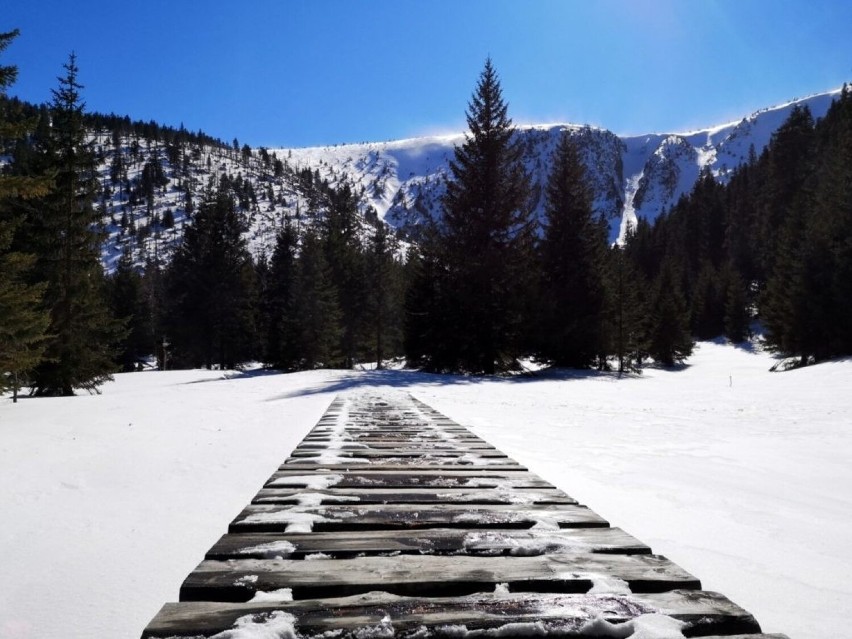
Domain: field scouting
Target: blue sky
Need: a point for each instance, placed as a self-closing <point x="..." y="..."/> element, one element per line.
<point x="311" y="72"/>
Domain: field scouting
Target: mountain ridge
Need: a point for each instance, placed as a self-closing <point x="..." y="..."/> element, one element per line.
<point x="397" y="181"/>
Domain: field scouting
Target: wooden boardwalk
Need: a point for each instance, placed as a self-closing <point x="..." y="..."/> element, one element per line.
<point x="390" y="520"/>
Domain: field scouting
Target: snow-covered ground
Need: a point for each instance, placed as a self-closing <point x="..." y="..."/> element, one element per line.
<point x="741" y="476"/>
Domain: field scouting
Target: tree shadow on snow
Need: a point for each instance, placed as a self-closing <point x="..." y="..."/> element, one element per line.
<point x="403" y="379"/>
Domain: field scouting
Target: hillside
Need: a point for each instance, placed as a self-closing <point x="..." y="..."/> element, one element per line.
<point x="401" y="181"/>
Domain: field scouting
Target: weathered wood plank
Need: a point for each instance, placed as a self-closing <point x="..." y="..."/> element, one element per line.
<point x="427" y="541"/>
<point x="425" y="452"/>
<point x="273" y="518"/>
<point x="410" y="496"/>
<point x="436" y="444"/>
<point x="384" y="479"/>
<point x="565" y="615"/>
<point x="429" y="575"/>
<point x="402" y="464"/>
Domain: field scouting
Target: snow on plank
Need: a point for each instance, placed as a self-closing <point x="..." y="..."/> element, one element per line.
<point x="524" y="614"/>
<point x="351" y="463"/>
<point x="421" y="453"/>
<point x="410" y="496"/>
<point x="384" y="479"/>
<point x="431" y="575"/>
<point x="275" y="518"/>
<point x="427" y="541"/>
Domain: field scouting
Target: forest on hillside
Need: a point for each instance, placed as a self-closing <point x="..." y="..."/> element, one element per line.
<point x="483" y="288"/>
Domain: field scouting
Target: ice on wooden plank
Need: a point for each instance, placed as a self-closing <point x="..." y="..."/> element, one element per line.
<point x="281" y="594"/>
<point x="533" y="546"/>
<point x="311" y="482"/>
<point x="279" y="549"/>
<point x="647" y="626"/>
<point x="276" y="624"/>
<point x="607" y="584"/>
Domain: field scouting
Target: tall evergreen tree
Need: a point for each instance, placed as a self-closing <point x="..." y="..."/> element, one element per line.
<point x="384" y="286"/>
<point x="129" y="303"/>
<point x="626" y="310"/>
<point x="211" y="287"/>
<point x="317" y="312"/>
<point x="61" y="230"/>
<point x="23" y="320"/>
<point x="344" y="255"/>
<point x="283" y="350"/>
<point x="486" y="240"/>
<point x="573" y="255"/>
<point x="668" y="339"/>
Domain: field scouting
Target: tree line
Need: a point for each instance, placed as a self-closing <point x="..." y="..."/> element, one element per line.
<point x="484" y="286"/>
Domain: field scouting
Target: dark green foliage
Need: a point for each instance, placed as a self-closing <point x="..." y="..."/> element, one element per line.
<point x="23" y="319"/>
<point x="346" y="260"/>
<point x="316" y="309"/>
<point x="483" y="249"/>
<point x="385" y="285"/>
<point x="626" y="309"/>
<point x="282" y="343"/>
<point x="59" y="229"/>
<point x="668" y="340"/>
<point x="573" y="261"/>
<point x="130" y="304"/>
<point x="211" y="288"/>
<point x="806" y="303"/>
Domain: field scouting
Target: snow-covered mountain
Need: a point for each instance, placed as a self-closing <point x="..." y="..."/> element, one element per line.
<point x="402" y="181"/>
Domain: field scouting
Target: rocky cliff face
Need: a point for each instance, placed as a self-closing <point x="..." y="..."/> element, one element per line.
<point x="402" y="181"/>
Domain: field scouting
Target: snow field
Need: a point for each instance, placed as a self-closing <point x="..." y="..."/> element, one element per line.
<point x="739" y="475"/>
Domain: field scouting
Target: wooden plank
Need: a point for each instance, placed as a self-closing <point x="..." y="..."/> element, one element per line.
<point x="411" y="496"/>
<point x="384" y="479"/>
<point x="273" y="518"/>
<point x="437" y="444"/>
<point x="426" y="452"/>
<point x="427" y="541"/>
<point x="396" y="464"/>
<point x="429" y="575"/>
<point x="563" y="615"/>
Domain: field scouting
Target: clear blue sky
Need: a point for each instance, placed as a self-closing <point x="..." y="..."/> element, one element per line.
<point x="310" y="72"/>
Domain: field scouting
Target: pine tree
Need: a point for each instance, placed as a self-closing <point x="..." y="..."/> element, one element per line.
<point x="211" y="287"/>
<point x="573" y="253"/>
<point x="23" y="320"/>
<point x="61" y="230"/>
<point x="626" y="309"/>
<point x="668" y="340"/>
<point x="128" y="303"/>
<point x="317" y="312"/>
<point x="341" y="236"/>
<point x="283" y="350"/>
<point x="486" y="241"/>
<point x="383" y="274"/>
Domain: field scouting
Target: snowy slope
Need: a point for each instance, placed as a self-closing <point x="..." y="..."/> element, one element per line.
<point x="739" y="475"/>
<point x="630" y="176"/>
<point x="402" y="181"/>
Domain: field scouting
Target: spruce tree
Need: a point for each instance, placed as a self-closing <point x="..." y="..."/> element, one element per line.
<point x="384" y="297"/>
<point x="573" y="254"/>
<point x="61" y="230"/>
<point x="129" y="304"/>
<point x="211" y="287"/>
<point x="23" y="320"/>
<point x="626" y="309"/>
<point x="317" y="311"/>
<point x="668" y="339"/>
<point x="486" y="240"/>
<point x="282" y="344"/>
<point x="341" y="236"/>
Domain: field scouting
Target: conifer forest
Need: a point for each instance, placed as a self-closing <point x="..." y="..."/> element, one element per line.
<point x="482" y="288"/>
